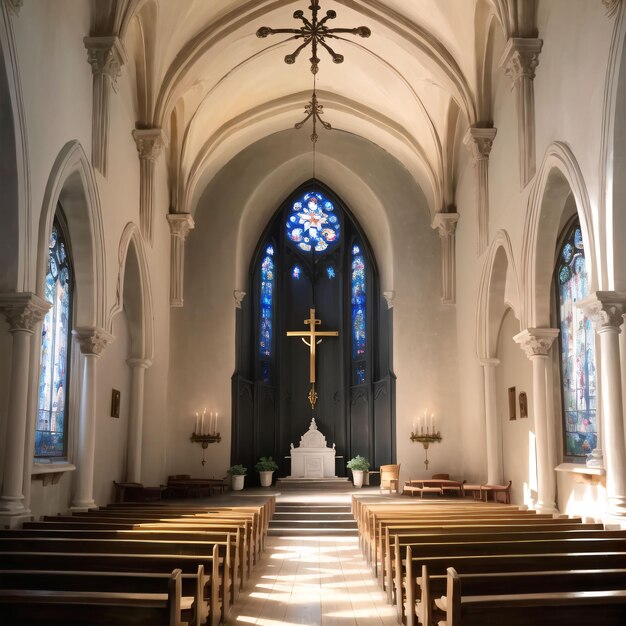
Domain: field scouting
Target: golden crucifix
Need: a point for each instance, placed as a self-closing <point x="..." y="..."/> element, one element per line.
<point x="313" y="340"/>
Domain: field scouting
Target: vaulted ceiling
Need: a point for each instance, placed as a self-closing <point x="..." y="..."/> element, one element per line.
<point x="412" y="88"/>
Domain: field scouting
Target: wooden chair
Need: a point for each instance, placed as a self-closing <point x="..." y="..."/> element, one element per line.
<point x="389" y="477"/>
<point x="485" y="490"/>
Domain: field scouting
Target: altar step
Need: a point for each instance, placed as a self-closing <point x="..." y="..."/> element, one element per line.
<point x="310" y="520"/>
<point x="324" y="484"/>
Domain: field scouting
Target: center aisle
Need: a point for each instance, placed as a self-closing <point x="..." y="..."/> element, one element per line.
<point x="312" y="579"/>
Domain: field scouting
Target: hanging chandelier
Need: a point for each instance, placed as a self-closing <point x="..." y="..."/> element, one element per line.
<point x="314" y="32"/>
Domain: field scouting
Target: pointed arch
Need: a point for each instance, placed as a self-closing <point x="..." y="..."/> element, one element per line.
<point x="558" y="177"/>
<point x="499" y="291"/>
<point x="131" y="257"/>
<point x="72" y="183"/>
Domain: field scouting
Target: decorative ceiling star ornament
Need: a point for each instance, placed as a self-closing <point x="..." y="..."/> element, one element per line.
<point x="314" y="32"/>
<point x="314" y="109"/>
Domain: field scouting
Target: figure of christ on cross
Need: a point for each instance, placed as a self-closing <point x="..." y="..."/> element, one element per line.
<point x="312" y="334"/>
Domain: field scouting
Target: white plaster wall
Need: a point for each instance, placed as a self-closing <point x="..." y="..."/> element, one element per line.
<point x="518" y="450"/>
<point x="203" y="339"/>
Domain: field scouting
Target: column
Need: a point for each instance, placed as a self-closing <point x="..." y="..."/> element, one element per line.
<point x="92" y="342"/>
<point x="480" y="141"/>
<point x="150" y="142"/>
<point x="445" y="223"/>
<point x="492" y="426"/>
<point x="106" y="56"/>
<point x="23" y="311"/>
<point x="180" y="225"/>
<point x="536" y="343"/>
<point x="606" y="310"/>
<point x="135" y="418"/>
<point x="520" y="60"/>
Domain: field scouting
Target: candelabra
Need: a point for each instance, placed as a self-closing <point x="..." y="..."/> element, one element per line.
<point x="204" y="440"/>
<point x="426" y="439"/>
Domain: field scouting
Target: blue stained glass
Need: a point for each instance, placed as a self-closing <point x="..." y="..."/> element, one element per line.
<point x="296" y="272"/>
<point x="267" y="301"/>
<point x="312" y="223"/>
<point x="330" y="270"/>
<point x="360" y="374"/>
<point x="55" y="334"/>
<point x="358" y="303"/>
<point x="577" y="351"/>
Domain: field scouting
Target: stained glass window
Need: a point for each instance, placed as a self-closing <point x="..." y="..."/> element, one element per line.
<point x="313" y="223"/>
<point x="330" y="270"/>
<point x="577" y="340"/>
<point x="267" y="302"/>
<point x="358" y="303"/>
<point x="296" y="272"/>
<point x="50" y="439"/>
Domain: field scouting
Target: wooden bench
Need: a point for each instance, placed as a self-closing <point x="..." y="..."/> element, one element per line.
<point x="38" y="607"/>
<point x="606" y="607"/>
<point x="490" y="563"/>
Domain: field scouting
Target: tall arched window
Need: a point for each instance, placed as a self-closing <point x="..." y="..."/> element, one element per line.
<point x="359" y="317"/>
<point x="50" y="434"/>
<point x="577" y="342"/>
<point x="266" y="317"/>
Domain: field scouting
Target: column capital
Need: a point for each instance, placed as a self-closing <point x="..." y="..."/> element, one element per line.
<point x="106" y="55"/>
<point x="92" y="340"/>
<point x="611" y="7"/>
<point x="239" y="296"/>
<point x="389" y="298"/>
<point x="605" y="309"/>
<point x="480" y="141"/>
<point x="536" y="341"/>
<point x="489" y="362"/>
<point x="445" y="223"/>
<point x="521" y="57"/>
<point x="149" y="142"/>
<point x="140" y="363"/>
<point x="180" y="224"/>
<point x="23" y="310"/>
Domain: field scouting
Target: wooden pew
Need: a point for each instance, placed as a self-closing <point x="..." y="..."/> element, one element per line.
<point x="606" y="607"/>
<point x="36" y="607"/>
<point x="136" y="563"/>
<point x="489" y="563"/>
<point x="399" y="541"/>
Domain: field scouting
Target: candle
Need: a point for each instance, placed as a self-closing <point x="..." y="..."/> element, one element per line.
<point x="216" y="431"/>
<point x="203" y="415"/>
<point x="197" y="427"/>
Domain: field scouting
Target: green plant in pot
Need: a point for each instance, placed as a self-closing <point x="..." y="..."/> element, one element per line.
<point x="266" y="466"/>
<point x="359" y="465"/>
<point x="238" y="476"/>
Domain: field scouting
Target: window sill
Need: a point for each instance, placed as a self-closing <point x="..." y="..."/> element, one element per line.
<point x="50" y="472"/>
<point x="584" y="474"/>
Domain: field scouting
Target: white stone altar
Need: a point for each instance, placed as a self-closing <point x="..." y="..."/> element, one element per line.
<point x="313" y="458"/>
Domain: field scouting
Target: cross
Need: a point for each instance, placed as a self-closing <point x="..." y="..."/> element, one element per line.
<point x="312" y="334"/>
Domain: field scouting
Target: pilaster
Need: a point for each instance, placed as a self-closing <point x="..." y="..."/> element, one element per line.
<point x="480" y="141"/>
<point x="536" y="343"/>
<point x="520" y="60"/>
<point x="492" y="423"/>
<point x="149" y="142"/>
<point x="138" y="369"/>
<point x="23" y="311"/>
<point x="445" y="223"/>
<point x="106" y="55"/>
<point x="605" y="309"/>
<point x="180" y="225"/>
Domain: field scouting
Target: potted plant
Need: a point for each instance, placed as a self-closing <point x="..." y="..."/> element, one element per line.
<point x="359" y="465"/>
<point x="238" y="475"/>
<point x="266" y="466"/>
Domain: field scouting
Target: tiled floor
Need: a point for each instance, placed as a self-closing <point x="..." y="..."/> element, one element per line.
<point x="312" y="580"/>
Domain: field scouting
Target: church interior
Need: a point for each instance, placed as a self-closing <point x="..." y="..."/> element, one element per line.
<point x="226" y="224"/>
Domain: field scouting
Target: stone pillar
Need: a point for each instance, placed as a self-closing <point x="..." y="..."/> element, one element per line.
<point x="135" y="418"/>
<point x="180" y="225"/>
<point x="92" y="342"/>
<point x="606" y="310"/>
<point x="536" y="343"/>
<point x="445" y="223"/>
<point x="23" y="311"/>
<point x="106" y="56"/>
<point x="520" y="60"/>
<point x="479" y="141"/>
<point x="492" y="426"/>
<point x="150" y="142"/>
